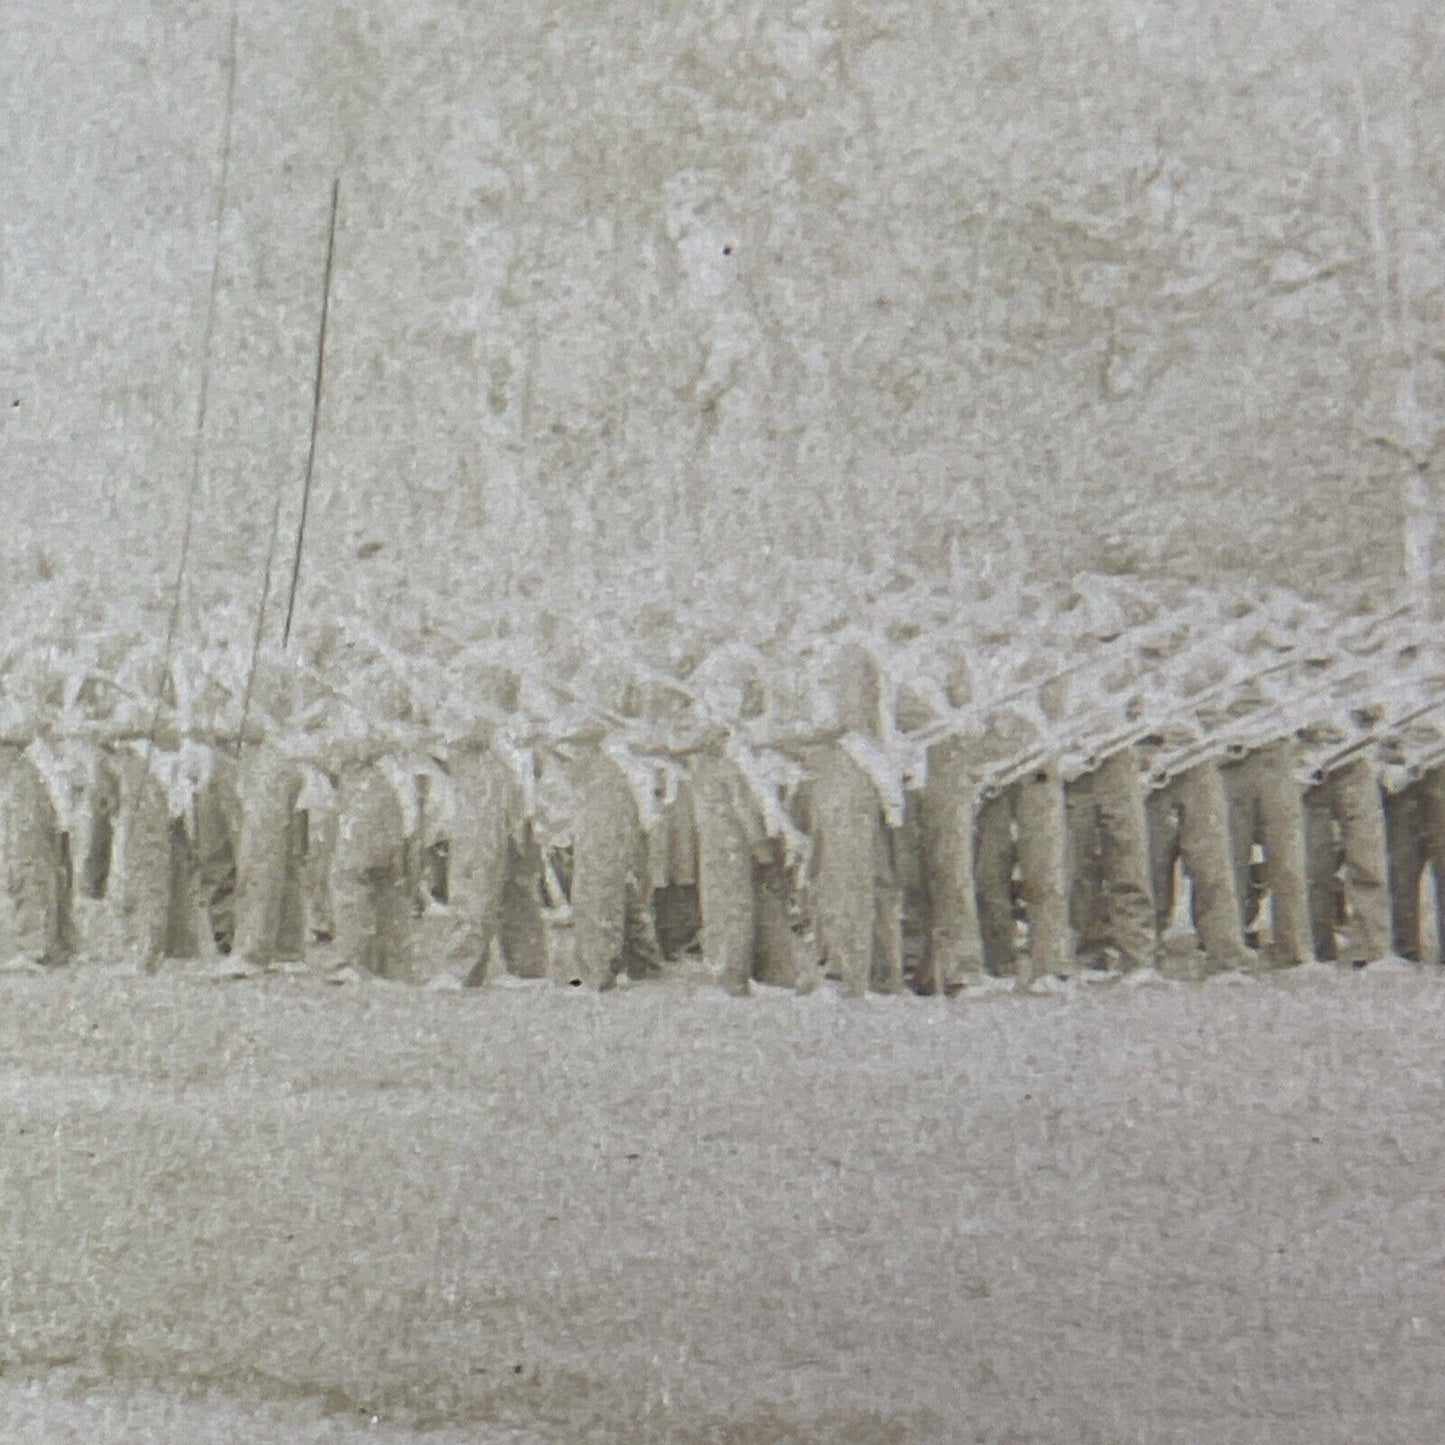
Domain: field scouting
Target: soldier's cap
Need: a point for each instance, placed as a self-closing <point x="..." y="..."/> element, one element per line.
<point x="357" y="741"/>
<point x="474" y="728"/>
<point x="1322" y="732"/>
<point x="587" y="732"/>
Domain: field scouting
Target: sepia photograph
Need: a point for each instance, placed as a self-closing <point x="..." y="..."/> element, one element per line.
<point x="722" y="722"/>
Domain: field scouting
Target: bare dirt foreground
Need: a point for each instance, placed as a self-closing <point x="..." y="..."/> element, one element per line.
<point x="275" y="1211"/>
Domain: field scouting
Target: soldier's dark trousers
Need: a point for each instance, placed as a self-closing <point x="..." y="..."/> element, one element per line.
<point x="1415" y="830"/>
<point x="1026" y="824"/>
<point x="268" y="785"/>
<point x="1348" y="862"/>
<point x="1266" y="805"/>
<point x="947" y="807"/>
<point x="1111" y="892"/>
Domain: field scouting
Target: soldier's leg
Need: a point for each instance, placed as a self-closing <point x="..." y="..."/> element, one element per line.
<point x="268" y="787"/>
<point x="478" y="858"/>
<point x="774" y="958"/>
<point x="946" y="817"/>
<point x="92" y="852"/>
<point x="413" y="850"/>
<point x="395" y="912"/>
<point x="1243" y="823"/>
<point x="1162" y="812"/>
<point x="658" y="851"/>
<point x="217" y="836"/>
<point x="1124" y="846"/>
<point x="641" y="951"/>
<point x="97" y="848"/>
<point x="396" y="901"/>
<point x="1359" y="808"/>
<point x="845" y="809"/>
<point x="30" y="849"/>
<point x="887" y="972"/>
<point x="1044" y="867"/>
<point x="291" y="926"/>
<point x="679" y="918"/>
<point x="605" y="844"/>
<point x="1406" y="858"/>
<point x="1282" y="831"/>
<point x="676" y="903"/>
<point x="1432" y="804"/>
<point x="993" y="855"/>
<point x="69" y="924"/>
<point x="354" y="925"/>
<point x="368" y="875"/>
<point x="524" y="925"/>
<point x="682" y="838"/>
<point x="320" y="858"/>
<point x="1205" y="845"/>
<point x="140" y="895"/>
<point x="803" y="912"/>
<point x="915" y="911"/>
<point x="725" y="875"/>
<point x="1322" y="863"/>
<point x="1088" y="909"/>
<point x="184" y="911"/>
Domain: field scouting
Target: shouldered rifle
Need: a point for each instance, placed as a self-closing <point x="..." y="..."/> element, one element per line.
<point x="1232" y="742"/>
<point x="1359" y="745"/>
<point x="1235" y="746"/>
<point x="974" y="714"/>
<point x="1105" y="746"/>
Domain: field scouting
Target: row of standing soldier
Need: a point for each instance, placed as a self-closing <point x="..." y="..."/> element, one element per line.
<point x="1087" y="863"/>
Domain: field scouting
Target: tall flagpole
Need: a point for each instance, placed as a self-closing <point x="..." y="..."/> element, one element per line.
<point x="198" y="437"/>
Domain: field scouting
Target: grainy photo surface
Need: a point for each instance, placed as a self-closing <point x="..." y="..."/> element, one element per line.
<point x="721" y="721"/>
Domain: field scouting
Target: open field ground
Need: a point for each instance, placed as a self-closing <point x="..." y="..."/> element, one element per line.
<point x="272" y="1210"/>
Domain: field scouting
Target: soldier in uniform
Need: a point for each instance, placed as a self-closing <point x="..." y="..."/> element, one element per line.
<point x="609" y="866"/>
<point x="478" y="849"/>
<point x="946" y="815"/>
<point x="1265" y="788"/>
<point x="252" y="833"/>
<point x="743" y="880"/>
<point x="270" y="853"/>
<point x="1021" y="825"/>
<point x="368" y="866"/>
<point x="1196" y="805"/>
<point x="1024" y="825"/>
<point x="494" y="876"/>
<point x="135" y="920"/>
<point x="37" y="887"/>
<point x="856" y="889"/>
<point x="1347" y="857"/>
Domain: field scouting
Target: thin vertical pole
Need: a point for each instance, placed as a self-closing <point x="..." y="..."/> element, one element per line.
<point x="315" y="412"/>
